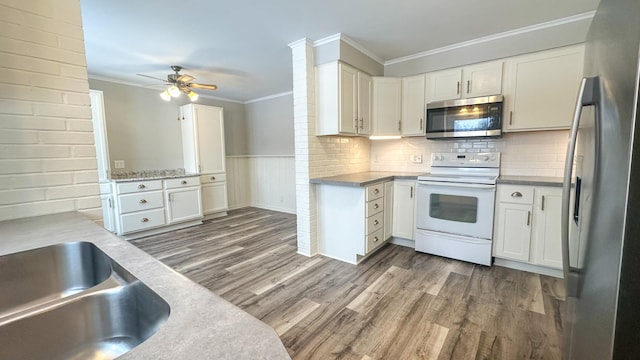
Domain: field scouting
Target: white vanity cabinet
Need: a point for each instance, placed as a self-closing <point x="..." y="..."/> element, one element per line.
<point x="183" y="199"/>
<point x="203" y="150"/>
<point x="481" y="79"/>
<point x="527" y="228"/>
<point x="351" y="220"/>
<point x="343" y="96"/>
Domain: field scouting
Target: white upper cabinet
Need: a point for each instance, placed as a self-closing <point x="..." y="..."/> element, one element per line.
<point x="413" y="105"/>
<point x="387" y="98"/>
<point x="343" y="100"/>
<point x="470" y="81"/>
<point x="202" y="138"/>
<point x="541" y="89"/>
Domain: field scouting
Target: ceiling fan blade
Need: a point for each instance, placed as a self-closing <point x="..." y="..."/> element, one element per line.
<point x="185" y="78"/>
<point x="152" y="77"/>
<point x="203" y="86"/>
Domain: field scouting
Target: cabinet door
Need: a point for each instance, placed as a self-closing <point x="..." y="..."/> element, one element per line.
<point x="365" y="93"/>
<point x="482" y="79"/>
<point x="388" y="209"/>
<point x="542" y="89"/>
<point x="348" y="89"/>
<point x="513" y="231"/>
<point x="108" y="217"/>
<point x="183" y="204"/>
<point x="100" y="134"/>
<point x="444" y="85"/>
<point x="413" y="105"/>
<point x="403" y="208"/>
<point x="386" y="106"/>
<point x="214" y="198"/>
<point x="547" y="245"/>
<point x="210" y="137"/>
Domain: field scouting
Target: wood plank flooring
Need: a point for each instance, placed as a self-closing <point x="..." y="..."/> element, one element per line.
<point x="397" y="304"/>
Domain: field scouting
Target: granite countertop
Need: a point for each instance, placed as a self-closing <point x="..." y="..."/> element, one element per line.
<point x="364" y="178"/>
<point x="530" y="180"/>
<point x="201" y="324"/>
<point x="153" y="177"/>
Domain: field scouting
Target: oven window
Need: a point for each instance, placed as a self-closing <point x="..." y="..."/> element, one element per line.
<point x="454" y="208"/>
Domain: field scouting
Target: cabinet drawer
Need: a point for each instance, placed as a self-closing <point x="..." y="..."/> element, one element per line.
<point x="142" y="220"/>
<point x="374" y="207"/>
<point x="142" y="201"/>
<point x="517" y="194"/>
<point x="374" y="240"/>
<point x="375" y="223"/>
<point x="138" y="186"/>
<point x="182" y="182"/>
<point x="375" y="191"/>
<point x="213" y="178"/>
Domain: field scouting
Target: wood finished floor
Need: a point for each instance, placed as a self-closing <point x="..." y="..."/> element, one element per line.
<point x="397" y="304"/>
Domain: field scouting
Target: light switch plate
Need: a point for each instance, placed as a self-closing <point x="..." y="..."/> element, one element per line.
<point x="119" y="164"/>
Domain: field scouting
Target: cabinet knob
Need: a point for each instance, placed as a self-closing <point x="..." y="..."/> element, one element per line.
<point x="213" y="178"/>
<point x="516" y="194"/>
<point x="141" y="186"/>
<point x="375" y="239"/>
<point x="184" y="182"/>
<point x="143" y="201"/>
<point x="376" y="222"/>
<point x="144" y="220"/>
<point x="376" y="191"/>
<point x="375" y="206"/>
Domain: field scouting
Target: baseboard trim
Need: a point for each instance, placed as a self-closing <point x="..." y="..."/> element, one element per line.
<point x="517" y="265"/>
<point x="403" y="242"/>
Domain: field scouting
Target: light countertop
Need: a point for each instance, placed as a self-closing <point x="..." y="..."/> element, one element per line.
<point x="364" y="178"/>
<point x="530" y="180"/>
<point x="201" y="324"/>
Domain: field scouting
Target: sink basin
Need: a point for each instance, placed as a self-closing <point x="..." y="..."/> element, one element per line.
<point x="101" y="313"/>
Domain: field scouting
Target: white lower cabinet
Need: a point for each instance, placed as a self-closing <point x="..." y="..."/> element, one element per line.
<point x="351" y="220"/>
<point x="146" y="206"/>
<point x="214" y="194"/>
<point x="527" y="225"/>
<point x="403" y="208"/>
<point x="108" y="221"/>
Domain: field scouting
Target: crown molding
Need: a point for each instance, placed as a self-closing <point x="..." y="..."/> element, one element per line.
<point x="268" y="97"/>
<point x="350" y="41"/>
<point x="303" y="41"/>
<point x="541" y="26"/>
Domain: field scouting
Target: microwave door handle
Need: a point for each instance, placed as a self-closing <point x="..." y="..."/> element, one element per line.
<point x="587" y="95"/>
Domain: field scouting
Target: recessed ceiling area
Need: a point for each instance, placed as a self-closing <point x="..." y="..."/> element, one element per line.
<point x="242" y="45"/>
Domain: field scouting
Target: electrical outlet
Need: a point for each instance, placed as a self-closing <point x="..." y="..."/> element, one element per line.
<point x="119" y="164"/>
<point x="416" y="159"/>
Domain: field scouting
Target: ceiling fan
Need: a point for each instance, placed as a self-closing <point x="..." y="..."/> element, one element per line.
<point x="178" y="83"/>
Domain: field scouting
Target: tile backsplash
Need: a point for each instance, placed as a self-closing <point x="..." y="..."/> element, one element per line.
<point x="536" y="153"/>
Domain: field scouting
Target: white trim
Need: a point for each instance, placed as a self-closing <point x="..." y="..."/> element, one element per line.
<point x="403" y="242"/>
<point x="269" y="97"/>
<point x="260" y="156"/>
<point x="303" y="41"/>
<point x="350" y="41"/>
<point x="511" y="264"/>
<point x="149" y="87"/>
<point x="566" y="20"/>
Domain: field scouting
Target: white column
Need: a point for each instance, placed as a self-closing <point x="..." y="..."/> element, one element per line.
<point x="304" y="125"/>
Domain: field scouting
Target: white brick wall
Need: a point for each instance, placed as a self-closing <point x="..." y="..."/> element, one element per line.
<point x="536" y="153"/>
<point x="47" y="157"/>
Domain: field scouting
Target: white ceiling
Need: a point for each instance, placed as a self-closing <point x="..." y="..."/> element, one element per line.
<point x="242" y="45"/>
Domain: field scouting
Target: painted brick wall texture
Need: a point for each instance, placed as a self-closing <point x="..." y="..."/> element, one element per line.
<point x="47" y="156"/>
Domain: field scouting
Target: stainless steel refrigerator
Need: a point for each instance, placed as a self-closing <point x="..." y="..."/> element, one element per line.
<point x="601" y="199"/>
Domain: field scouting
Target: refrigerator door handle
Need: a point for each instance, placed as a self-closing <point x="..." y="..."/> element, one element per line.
<point x="588" y="95"/>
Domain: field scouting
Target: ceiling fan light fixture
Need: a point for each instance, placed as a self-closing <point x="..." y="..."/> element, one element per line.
<point x="193" y="96"/>
<point x="173" y="91"/>
<point x="165" y="95"/>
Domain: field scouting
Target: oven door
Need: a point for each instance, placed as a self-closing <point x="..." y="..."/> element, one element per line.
<point x="456" y="208"/>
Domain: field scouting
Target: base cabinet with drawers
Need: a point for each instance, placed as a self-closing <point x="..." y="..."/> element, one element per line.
<point x="352" y="220"/>
<point x="214" y="195"/>
<point x="527" y="226"/>
<point x="148" y="206"/>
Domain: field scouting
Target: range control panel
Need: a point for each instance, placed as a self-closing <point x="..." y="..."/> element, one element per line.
<point x="485" y="159"/>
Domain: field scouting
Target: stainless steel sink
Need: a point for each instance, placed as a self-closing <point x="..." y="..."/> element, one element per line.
<point x="95" y="309"/>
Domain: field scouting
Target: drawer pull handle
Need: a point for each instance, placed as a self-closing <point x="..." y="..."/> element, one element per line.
<point x="376" y="222"/>
<point x="213" y="178"/>
<point x="144" y="220"/>
<point x="542" y="205"/>
<point x="143" y="201"/>
<point x="375" y="206"/>
<point x="375" y="239"/>
<point x="376" y="191"/>
<point x="141" y="186"/>
<point x="184" y="182"/>
<point x="516" y="194"/>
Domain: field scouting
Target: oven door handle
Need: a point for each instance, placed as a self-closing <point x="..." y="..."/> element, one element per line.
<point x="457" y="185"/>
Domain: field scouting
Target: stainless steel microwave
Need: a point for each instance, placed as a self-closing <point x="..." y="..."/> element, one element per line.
<point x="465" y="118"/>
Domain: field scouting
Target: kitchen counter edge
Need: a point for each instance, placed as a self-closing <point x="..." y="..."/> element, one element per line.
<point x="202" y="325"/>
<point x="530" y="180"/>
<point x="365" y="178"/>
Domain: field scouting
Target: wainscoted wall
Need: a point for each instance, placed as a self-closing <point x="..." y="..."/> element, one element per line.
<point x="262" y="181"/>
<point x="536" y="153"/>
